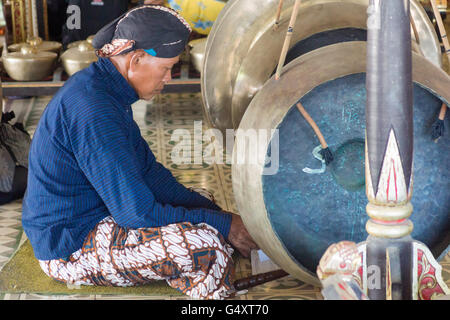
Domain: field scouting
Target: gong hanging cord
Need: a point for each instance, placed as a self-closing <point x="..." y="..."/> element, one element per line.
<point x="437" y="129"/>
<point x="277" y="16"/>
<point x="287" y="39"/>
<point x="325" y="152"/>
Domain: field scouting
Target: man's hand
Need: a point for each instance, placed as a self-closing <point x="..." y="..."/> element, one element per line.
<point x="239" y="237"/>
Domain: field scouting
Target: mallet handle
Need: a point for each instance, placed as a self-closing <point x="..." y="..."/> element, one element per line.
<point x="313" y="125"/>
<point x="277" y="17"/>
<point x="258" y="279"/>
<point x="287" y="39"/>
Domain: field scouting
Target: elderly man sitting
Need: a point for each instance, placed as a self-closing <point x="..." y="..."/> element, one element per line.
<point x="99" y="208"/>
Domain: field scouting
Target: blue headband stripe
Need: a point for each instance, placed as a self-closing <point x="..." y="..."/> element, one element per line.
<point x="151" y="52"/>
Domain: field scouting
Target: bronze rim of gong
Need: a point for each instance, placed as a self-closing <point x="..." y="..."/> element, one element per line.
<point x="276" y="98"/>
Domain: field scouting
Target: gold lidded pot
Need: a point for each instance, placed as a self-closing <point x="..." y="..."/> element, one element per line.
<point x="38" y="43"/>
<point x="29" y="64"/>
<point x="78" y="56"/>
<point x="76" y="43"/>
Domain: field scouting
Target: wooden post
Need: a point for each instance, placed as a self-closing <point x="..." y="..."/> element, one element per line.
<point x="389" y="147"/>
<point x="34" y="21"/>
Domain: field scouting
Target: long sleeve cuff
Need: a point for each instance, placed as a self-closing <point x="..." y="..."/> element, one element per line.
<point x="219" y="220"/>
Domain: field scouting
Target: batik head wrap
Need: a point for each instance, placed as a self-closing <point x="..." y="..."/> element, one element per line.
<point x="159" y="31"/>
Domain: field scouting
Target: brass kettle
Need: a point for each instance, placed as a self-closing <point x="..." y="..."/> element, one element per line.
<point x="39" y="44"/>
<point x="29" y="64"/>
<point x="79" y="56"/>
<point x="76" y="43"/>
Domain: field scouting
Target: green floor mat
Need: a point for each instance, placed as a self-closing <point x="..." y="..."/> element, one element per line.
<point x="22" y="274"/>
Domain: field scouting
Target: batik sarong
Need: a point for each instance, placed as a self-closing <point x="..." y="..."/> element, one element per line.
<point x="194" y="259"/>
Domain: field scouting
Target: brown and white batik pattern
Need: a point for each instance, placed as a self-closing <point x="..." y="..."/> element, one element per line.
<point x="116" y="47"/>
<point x="194" y="259"/>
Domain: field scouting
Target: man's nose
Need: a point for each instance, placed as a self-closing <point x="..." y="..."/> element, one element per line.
<point x="168" y="76"/>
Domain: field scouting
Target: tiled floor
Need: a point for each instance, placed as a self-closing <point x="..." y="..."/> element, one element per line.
<point x="158" y="121"/>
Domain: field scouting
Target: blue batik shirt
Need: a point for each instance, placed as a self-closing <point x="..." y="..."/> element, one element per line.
<point x="88" y="160"/>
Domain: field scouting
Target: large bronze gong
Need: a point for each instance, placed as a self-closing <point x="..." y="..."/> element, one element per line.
<point x="293" y="214"/>
<point x="243" y="48"/>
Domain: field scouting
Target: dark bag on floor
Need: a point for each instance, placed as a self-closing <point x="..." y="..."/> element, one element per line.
<point x="14" y="148"/>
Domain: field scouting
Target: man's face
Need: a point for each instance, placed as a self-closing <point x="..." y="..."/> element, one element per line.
<point x="149" y="74"/>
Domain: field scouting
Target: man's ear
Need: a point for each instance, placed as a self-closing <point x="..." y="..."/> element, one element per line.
<point x="136" y="59"/>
